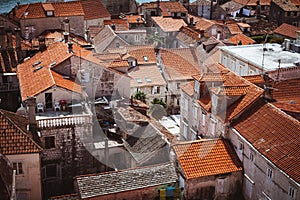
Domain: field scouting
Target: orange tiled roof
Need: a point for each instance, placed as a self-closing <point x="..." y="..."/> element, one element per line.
<point x="274" y="134"/>
<point x="177" y="67"/>
<point x="287" y="30"/>
<point x="94" y="9"/>
<point x="188" y="88"/>
<point x="206" y="158"/>
<point x="139" y="54"/>
<point x="190" y="54"/>
<point x="287" y="95"/>
<point x="134" y="19"/>
<point x="14" y="137"/>
<point x="203" y="24"/>
<point x="120" y="24"/>
<point x="255" y="79"/>
<point x="65" y="83"/>
<point x="234" y="28"/>
<point x="241" y="38"/>
<point x="119" y="63"/>
<point x="61" y="9"/>
<point x="171" y="7"/>
<point x="231" y="85"/>
<point x="253" y="2"/>
<point x="34" y="81"/>
<point x="288" y="5"/>
<point x="168" y="24"/>
<point x="187" y="35"/>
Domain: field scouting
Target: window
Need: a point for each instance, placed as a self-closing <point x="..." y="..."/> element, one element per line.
<point x="178" y="101"/>
<point x="178" y="86"/>
<point x="185" y="127"/>
<point x="50" y="13"/>
<point x="195" y="111"/>
<point x="49" y="142"/>
<point x="203" y="118"/>
<point x="145" y="58"/>
<point x="292" y="192"/>
<point x="241" y="146"/>
<point x="137" y="38"/>
<point x="185" y="104"/>
<point x="251" y="157"/>
<point x="156" y="90"/>
<point x="51" y="171"/>
<point x="270" y="173"/>
<point x="212" y="126"/>
<point x="117" y="44"/>
<point x="18" y="166"/>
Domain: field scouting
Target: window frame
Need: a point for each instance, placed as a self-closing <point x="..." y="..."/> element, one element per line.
<point x="19" y="167"/>
<point x="292" y="192"/>
<point x="270" y="173"/>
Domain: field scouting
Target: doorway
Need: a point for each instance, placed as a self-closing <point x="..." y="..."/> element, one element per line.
<point x="48" y="99"/>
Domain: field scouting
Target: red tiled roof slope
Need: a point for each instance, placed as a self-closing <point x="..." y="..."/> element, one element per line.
<point x="14" y="137"/>
<point x="37" y="10"/>
<point x="206" y="158"/>
<point x="287" y="30"/>
<point x="241" y="38"/>
<point x="274" y="134"/>
<point x="94" y="9"/>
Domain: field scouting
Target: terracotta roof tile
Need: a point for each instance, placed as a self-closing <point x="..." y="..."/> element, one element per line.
<point x="287" y="30"/>
<point x="120" y="24"/>
<point x="94" y="9"/>
<point x="287" y="95"/>
<point x="168" y="24"/>
<point x="134" y="19"/>
<point x="61" y="9"/>
<point x="287" y="5"/>
<point x="34" y="80"/>
<point x="171" y="7"/>
<point x="206" y="158"/>
<point x="189" y="54"/>
<point x="253" y="2"/>
<point x="187" y="35"/>
<point x="144" y="55"/>
<point x="241" y="38"/>
<point x="14" y="137"/>
<point x="117" y="64"/>
<point x="255" y="79"/>
<point x="234" y="28"/>
<point x="229" y="84"/>
<point x="65" y="83"/>
<point x="274" y="134"/>
<point x="188" y="88"/>
<point x="149" y="76"/>
<point x="203" y="24"/>
<point x="176" y="67"/>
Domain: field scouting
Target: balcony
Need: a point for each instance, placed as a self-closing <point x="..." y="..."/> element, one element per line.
<point x="62" y="121"/>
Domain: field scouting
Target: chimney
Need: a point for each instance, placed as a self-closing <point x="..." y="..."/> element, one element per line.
<point x="18" y="37"/>
<point x="192" y="21"/>
<point x="31" y="105"/>
<point x="66" y="37"/>
<point x="70" y="47"/>
<point x="67" y="25"/>
<point x="158" y="8"/>
<point x="42" y="43"/>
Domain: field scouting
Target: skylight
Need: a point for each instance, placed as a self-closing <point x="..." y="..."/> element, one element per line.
<point x="38" y="68"/>
<point x="52" y="64"/>
<point x="138" y="80"/>
<point x="148" y="79"/>
<point x="36" y="63"/>
<point x="145" y="58"/>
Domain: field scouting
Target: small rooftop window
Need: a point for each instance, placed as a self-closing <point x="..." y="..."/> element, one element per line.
<point x="36" y="63"/>
<point x="145" y="58"/>
<point x="148" y="80"/>
<point x="38" y="68"/>
<point x="52" y="64"/>
<point x="138" y="80"/>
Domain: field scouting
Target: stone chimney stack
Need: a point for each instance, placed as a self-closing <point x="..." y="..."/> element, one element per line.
<point x="70" y="47"/>
<point x="31" y="105"/>
<point x="66" y="37"/>
<point x="42" y="43"/>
